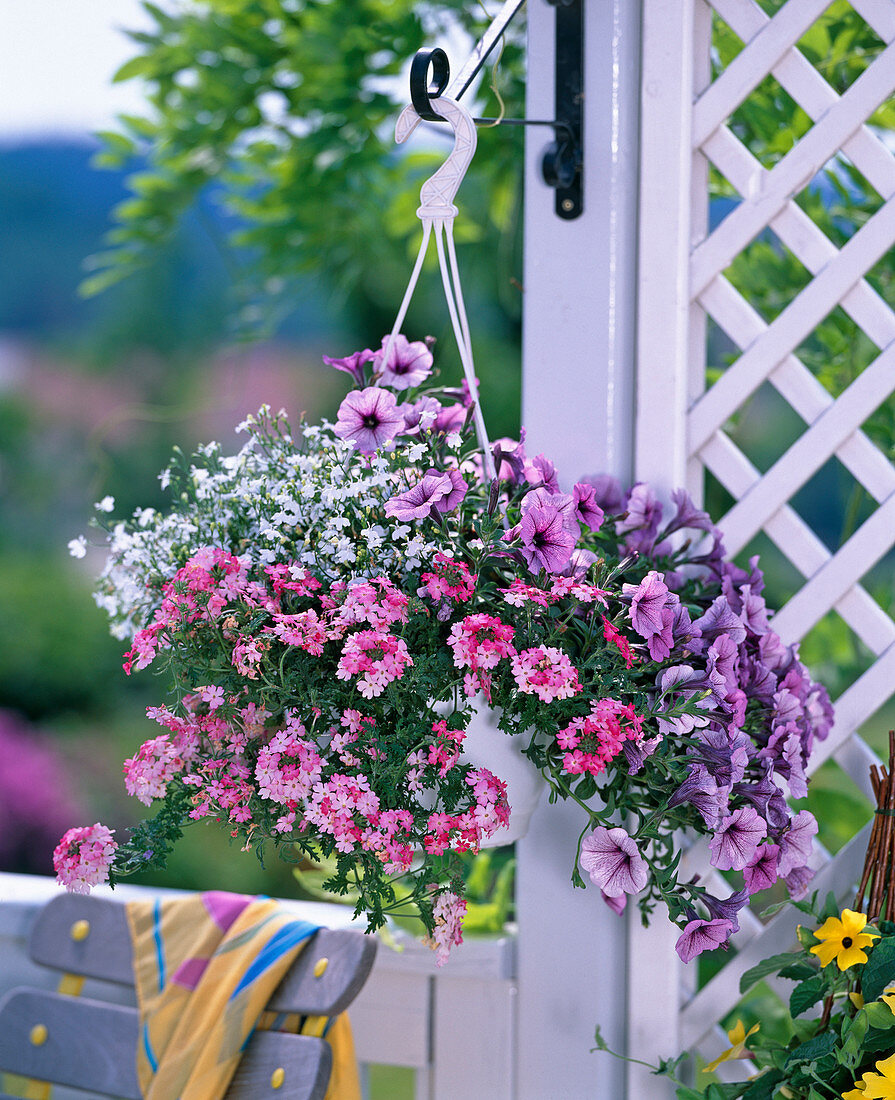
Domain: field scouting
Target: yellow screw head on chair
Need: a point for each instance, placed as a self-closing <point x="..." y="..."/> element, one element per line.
<point x="38" y="1035"/>
<point x="80" y="930"/>
<point x="277" y="1078"/>
<point x="320" y="967"/>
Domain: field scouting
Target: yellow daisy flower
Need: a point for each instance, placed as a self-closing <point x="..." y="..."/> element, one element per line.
<point x="843" y="939"/>
<point x="737" y="1036"/>
<point x="881" y="1086"/>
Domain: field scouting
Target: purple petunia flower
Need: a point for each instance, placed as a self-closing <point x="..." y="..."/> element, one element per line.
<point x="727" y="908"/>
<point x="644" y="511"/>
<point x="587" y="511"/>
<point x="723" y="658"/>
<point x="724" y="752"/>
<point x="734" y="844"/>
<point x="647" y="601"/>
<point x="687" y="515"/>
<point x="784" y="750"/>
<point x="509" y="458"/>
<point x="546" y="541"/>
<point x="795" y="843"/>
<point x="352" y="364"/>
<point x="613" y="861"/>
<point x="541" y="474"/>
<point x="760" y="872"/>
<point x="702" y="791"/>
<point x="638" y="752"/>
<point x="719" y="619"/>
<point x="564" y="502"/>
<point x="608" y="492"/>
<point x="370" y="418"/>
<point x="408" y="363"/>
<point x="684" y="682"/>
<point x="617" y="905"/>
<point x="797" y="882"/>
<point x="431" y="491"/>
<point x="702" y="935"/>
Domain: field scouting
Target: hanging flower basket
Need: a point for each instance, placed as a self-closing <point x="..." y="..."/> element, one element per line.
<point x="485" y="746"/>
<point x="329" y="602"/>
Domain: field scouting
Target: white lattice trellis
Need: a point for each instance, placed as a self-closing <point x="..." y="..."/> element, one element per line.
<point x="681" y="426"/>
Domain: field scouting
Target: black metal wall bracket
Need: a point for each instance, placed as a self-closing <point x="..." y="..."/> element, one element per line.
<point x="563" y="161"/>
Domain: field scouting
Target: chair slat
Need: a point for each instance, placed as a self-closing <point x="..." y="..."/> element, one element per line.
<point x="104" y="953"/>
<point x="306" y="1063"/>
<point x="92" y="1046"/>
<point x="89" y="1045"/>
<point x="349" y="958"/>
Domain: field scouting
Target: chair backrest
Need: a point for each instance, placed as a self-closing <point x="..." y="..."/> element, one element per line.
<point x="91" y="1045"/>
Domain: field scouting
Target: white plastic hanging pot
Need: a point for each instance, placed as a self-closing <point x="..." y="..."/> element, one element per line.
<point x="486" y="746"/>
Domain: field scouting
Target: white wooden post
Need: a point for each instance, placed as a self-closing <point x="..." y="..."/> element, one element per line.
<point x="578" y="401"/>
<point x="667" y="367"/>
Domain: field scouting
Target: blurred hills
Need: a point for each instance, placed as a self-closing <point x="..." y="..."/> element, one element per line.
<point x="54" y="212"/>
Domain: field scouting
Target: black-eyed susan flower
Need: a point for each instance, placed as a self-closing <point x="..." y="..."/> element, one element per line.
<point x="881" y="1086"/>
<point x="843" y="939"/>
<point x="737" y="1036"/>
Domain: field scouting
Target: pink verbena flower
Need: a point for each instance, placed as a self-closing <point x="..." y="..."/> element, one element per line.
<point x="450" y="909"/>
<point x="148" y="772"/>
<point x="479" y="642"/>
<point x="376" y="601"/>
<point x="83" y="857"/>
<point x="305" y="630"/>
<point x="614" y="636"/>
<point x="376" y="657"/>
<point x="449" y="580"/>
<point x="547" y="672"/>
<point x="592" y="741"/>
<point x="247" y="655"/>
<point x="520" y="593"/>
<point x="444" y="753"/>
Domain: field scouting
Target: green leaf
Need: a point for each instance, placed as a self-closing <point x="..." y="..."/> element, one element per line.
<point x="879" y="1015"/>
<point x="767" y="966"/>
<point x="879" y="970"/>
<point x="141" y="65"/>
<point x="806" y="994"/>
<point x="689" y="1094"/>
<point x="812" y="1050"/>
<point x="762" y="1088"/>
<point x="798" y="971"/>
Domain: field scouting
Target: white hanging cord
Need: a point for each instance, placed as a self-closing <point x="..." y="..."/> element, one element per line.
<point x="437" y="212"/>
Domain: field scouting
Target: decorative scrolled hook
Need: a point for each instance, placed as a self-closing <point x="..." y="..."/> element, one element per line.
<point x="421" y="89"/>
<point x="437" y="193"/>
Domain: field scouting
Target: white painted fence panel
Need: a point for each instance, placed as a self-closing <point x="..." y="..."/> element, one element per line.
<point x="834" y="580"/>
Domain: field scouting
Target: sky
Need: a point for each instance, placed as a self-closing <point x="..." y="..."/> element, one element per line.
<point x="57" y="58"/>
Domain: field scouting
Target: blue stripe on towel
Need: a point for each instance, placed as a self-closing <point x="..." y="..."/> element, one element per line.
<point x="159" y="946"/>
<point x="277" y="946"/>
<point x="147" y="1048"/>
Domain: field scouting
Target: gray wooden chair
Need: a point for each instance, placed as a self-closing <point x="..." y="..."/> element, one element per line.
<point x="90" y="1045"/>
